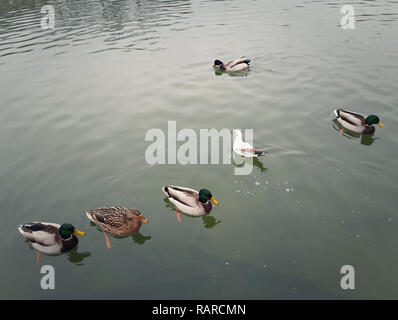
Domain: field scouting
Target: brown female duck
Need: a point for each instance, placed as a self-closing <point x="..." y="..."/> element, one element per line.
<point x="116" y="220"/>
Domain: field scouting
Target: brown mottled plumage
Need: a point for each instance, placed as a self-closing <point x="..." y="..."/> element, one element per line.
<point x="117" y="220"/>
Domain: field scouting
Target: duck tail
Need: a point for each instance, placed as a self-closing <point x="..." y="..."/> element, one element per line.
<point x="89" y="216"/>
<point x="165" y="190"/>
<point x="247" y="61"/>
<point x="259" y="153"/>
<point x="21" y="231"/>
<point x="336" y="113"/>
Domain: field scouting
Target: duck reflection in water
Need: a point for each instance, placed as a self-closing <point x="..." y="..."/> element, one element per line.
<point x="366" y="139"/>
<point x="208" y="221"/>
<point x="233" y="74"/>
<point x="77" y="258"/>
<point x="137" y="236"/>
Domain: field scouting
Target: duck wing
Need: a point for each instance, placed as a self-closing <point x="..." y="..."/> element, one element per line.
<point x="186" y="196"/>
<point x="109" y="219"/>
<point x="236" y="62"/>
<point x="352" y="118"/>
<point x="43" y="233"/>
<point x="43" y="236"/>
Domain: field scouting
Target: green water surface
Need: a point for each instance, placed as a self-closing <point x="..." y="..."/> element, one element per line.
<point x="77" y="101"/>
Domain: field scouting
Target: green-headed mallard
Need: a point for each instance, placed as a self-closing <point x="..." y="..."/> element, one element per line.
<point x="50" y="238"/>
<point x="116" y="220"/>
<point x="190" y="201"/>
<point x="236" y="65"/>
<point x="356" y="122"/>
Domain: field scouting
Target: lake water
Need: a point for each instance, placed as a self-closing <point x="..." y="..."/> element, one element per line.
<point x="77" y="101"/>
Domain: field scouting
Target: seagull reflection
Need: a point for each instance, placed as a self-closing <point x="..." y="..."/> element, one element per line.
<point x="239" y="161"/>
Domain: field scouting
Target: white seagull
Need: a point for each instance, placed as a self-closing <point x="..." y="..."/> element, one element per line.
<point x="243" y="148"/>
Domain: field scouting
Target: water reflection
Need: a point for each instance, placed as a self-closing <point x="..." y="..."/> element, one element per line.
<point x="208" y="220"/>
<point x="73" y="255"/>
<point x="240" y="162"/>
<point x="169" y="204"/>
<point x="121" y="24"/>
<point x="232" y="74"/>
<point x="137" y="236"/>
<point x="76" y="257"/>
<point x="366" y="139"/>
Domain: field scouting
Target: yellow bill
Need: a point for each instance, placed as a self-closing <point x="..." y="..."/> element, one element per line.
<point x="213" y="201"/>
<point x="78" y="233"/>
<point x="380" y="124"/>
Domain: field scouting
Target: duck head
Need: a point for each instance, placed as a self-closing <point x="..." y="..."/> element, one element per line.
<point x="372" y="119"/>
<point x="136" y="215"/>
<point x="67" y="230"/>
<point x="218" y="64"/>
<point x="205" y="196"/>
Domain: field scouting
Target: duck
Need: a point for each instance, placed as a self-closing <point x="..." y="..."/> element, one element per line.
<point x="232" y="66"/>
<point x="50" y="238"/>
<point x="189" y="201"/>
<point x="116" y="220"/>
<point x="356" y="122"/>
<point x="243" y="148"/>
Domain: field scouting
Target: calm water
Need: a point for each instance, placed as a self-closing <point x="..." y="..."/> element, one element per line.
<point x="76" y="103"/>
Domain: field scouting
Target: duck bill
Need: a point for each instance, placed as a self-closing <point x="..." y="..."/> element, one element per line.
<point x="78" y="233"/>
<point x="143" y="220"/>
<point x="213" y="201"/>
<point x="380" y="124"/>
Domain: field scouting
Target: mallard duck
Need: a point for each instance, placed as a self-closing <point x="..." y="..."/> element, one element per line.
<point x="356" y="122"/>
<point x="116" y="220"/>
<point x="236" y="65"/>
<point x="243" y="148"/>
<point x="190" y="201"/>
<point x="50" y="238"/>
